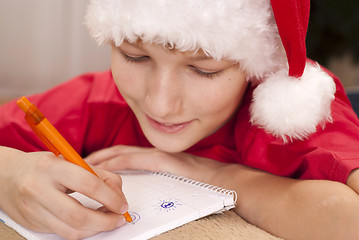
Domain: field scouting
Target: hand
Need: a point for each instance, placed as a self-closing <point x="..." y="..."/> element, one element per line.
<point x="276" y="204"/>
<point x="33" y="190"/>
<point x="123" y="157"/>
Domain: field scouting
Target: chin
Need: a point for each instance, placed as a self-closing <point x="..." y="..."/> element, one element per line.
<point x="170" y="146"/>
<point x="170" y="149"/>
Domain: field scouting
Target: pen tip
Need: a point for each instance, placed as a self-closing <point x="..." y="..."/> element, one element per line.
<point x="128" y="217"/>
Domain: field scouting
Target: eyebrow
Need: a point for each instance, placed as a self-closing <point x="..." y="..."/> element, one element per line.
<point x="134" y="44"/>
<point x="201" y="57"/>
<point x="195" y="56"/>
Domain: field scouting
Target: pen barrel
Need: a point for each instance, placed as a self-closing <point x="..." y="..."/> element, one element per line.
<point x="61" y="145"/>
<point x="52" y="138"/>
<point x="49" y="135"/>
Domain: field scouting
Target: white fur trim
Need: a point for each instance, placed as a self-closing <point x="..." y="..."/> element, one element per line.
<point x="292" y="108"/>
<point x="240" y="30"/>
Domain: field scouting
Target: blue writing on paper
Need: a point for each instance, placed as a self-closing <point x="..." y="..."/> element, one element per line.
<point x="168" y="205"/>
<point x="135" y="217"/>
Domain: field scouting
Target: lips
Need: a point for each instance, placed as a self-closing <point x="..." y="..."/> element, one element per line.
<point x="168" y="127"/>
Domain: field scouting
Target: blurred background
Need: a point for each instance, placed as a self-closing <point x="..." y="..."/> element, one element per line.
<point x="43" y="43"/>
<point x="333" y="38"/>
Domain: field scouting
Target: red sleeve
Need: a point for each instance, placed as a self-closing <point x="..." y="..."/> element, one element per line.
<point x="65" y="106"/>
<point x="87" y="110"/>
<point x="331" y="153"/>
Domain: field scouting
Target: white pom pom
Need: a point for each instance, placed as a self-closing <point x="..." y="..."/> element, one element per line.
<point x="292" y="108"/>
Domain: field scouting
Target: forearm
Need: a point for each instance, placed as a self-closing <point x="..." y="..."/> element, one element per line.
<point x="293" y="209"/>
<point x="289" y="208"/>
<point x="8" y="163"/>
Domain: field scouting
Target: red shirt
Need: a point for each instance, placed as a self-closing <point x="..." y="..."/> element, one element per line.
<point x="91" y="114"/>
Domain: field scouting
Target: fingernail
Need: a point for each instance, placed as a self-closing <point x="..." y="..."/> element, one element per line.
<point x="124" y="208"/>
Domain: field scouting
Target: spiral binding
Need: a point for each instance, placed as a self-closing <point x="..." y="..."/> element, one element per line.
<point x="198" y="184"/>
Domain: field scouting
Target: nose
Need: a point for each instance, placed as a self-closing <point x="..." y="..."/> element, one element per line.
<point x="164" y="93"/>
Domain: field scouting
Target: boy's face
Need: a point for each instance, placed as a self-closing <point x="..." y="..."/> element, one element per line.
<point x="178" y="98"/>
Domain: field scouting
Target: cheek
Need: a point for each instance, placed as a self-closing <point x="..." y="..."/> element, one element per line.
<point x="125" y="80"/>
<point x="122" y="73"/>
<point x="224" y="99"/>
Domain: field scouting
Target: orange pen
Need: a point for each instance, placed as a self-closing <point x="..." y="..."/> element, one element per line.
<point x="52" y="138"/>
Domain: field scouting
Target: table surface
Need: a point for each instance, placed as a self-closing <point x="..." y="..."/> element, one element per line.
<point x="218" y="226"/>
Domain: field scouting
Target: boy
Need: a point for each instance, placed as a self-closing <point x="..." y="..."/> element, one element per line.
<point x="211" y="90"/>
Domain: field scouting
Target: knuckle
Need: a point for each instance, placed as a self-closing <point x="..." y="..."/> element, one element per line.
<point x="29" y="187"/>
<point x="26" y="186"/>
<point x="44" y="162"/>
<point x="106" y="165"/>
<point x="113" y="180"/>
<point x="121" y="162"/>
<point x="93" y="187"/>
<point x="123" y="158"/>
<point x="118" y="149"/>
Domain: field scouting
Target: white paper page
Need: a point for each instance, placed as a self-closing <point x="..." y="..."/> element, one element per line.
<point x="157" y="204"/>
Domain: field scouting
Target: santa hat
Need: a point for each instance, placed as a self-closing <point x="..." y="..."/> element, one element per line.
<point x="267" y="38"/>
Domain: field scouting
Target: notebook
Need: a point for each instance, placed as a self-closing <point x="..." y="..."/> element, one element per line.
<point x="158" y="203"/>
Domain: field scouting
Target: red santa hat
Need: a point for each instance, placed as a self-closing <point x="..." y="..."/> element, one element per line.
<point x="267" y="38"/>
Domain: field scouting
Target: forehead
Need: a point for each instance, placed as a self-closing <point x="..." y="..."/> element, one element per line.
<point x="241" y="30"/>
<point x="170" y="48"/>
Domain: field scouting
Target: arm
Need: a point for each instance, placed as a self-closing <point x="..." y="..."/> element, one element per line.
<point x="294" y="209"/>
<point x="353" y="180"/>
<point x="33" y="190"/>
<point x="288" y="208"/>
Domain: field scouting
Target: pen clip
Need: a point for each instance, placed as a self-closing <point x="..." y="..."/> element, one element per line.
<point x="43" y="139"/>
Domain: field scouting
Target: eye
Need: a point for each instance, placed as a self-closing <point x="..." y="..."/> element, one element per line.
<point x="205" y="73"/>
<point x="132" y="59"/>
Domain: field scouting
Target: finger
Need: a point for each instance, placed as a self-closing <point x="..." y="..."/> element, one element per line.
<point x="103" y="209"/>
<point x="100" y="156"/>
<point x="107" y="153"/>
<point x="69" y="211"/>
<point x="114" y="181"/>
<point x="146" y="160"/>
<point x="33" y="215"/>
<point x="52" y="224"/>
<point x="41" y="199"/>
<point x="153" y="160"/>
<point x="80" y="180"/>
